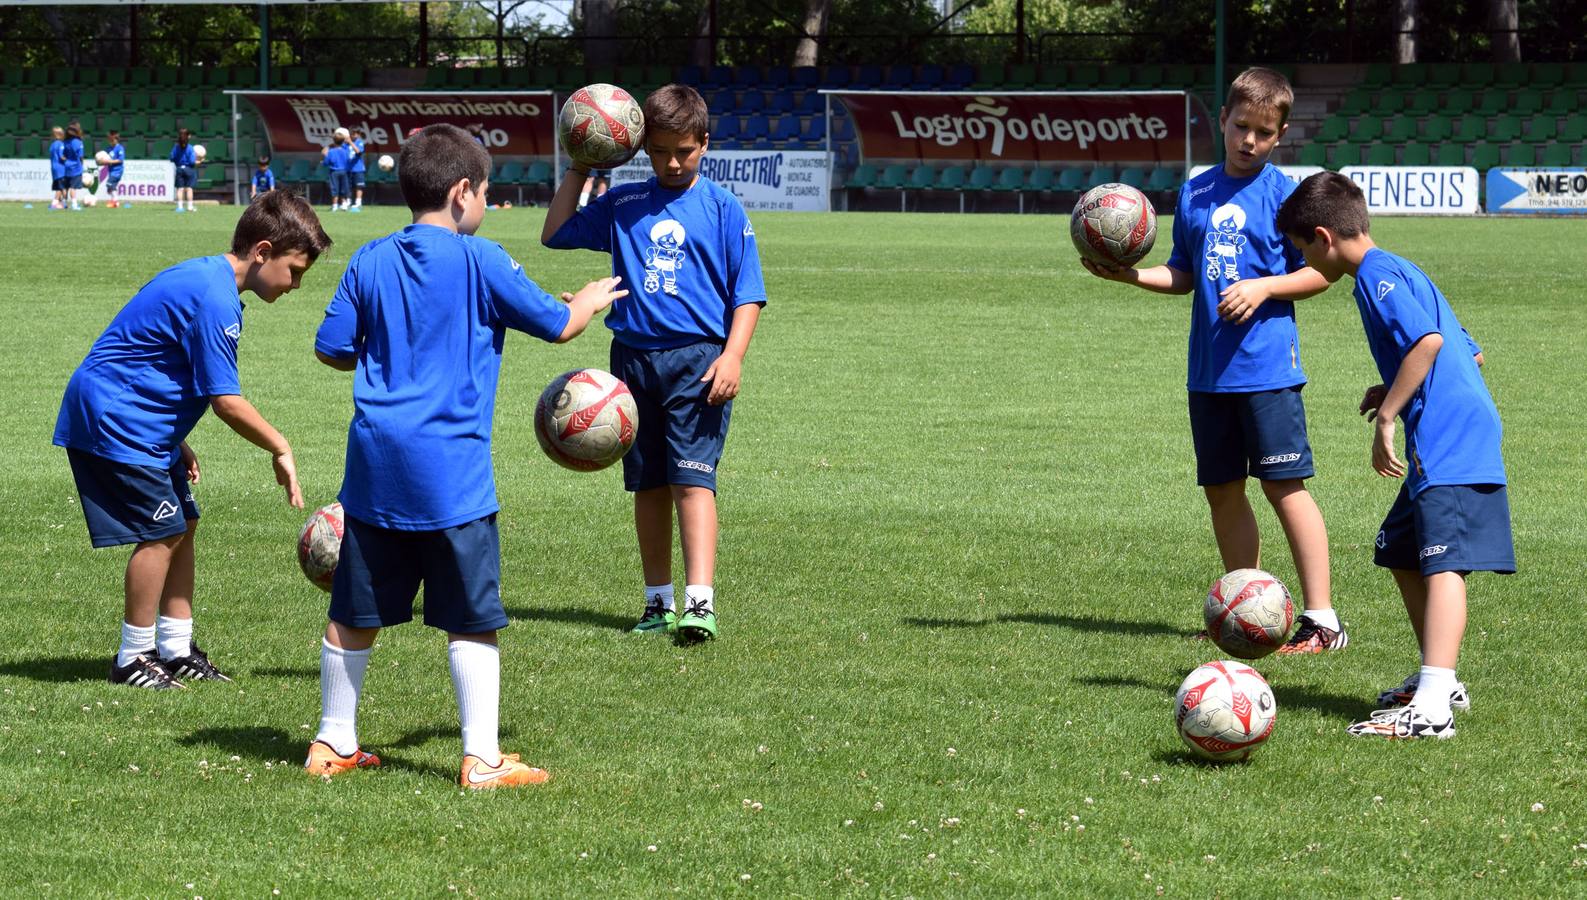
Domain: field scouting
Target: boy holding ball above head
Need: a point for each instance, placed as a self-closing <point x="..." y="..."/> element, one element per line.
<point x="1452" y="514"/>
<point x="169" y="355"/>
<point x="420" y="318"/>
<point x="686" y="250"/>
<point x="1246" y="415"/>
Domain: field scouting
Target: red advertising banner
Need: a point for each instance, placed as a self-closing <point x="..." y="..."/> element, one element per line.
<point x="1029" y="127"/>
<point x="512" y="124"/>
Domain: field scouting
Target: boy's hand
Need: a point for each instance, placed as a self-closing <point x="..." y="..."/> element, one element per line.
<point x="599" y="294"/>
<point x="189" y="462"/>
<point x="1241" y="300"/>
<point x="1384" y="462"/>
<point x="1372" y="400"/>
<point x="287" y="477"/>
<point x="1111" y="273"/>
<point x="724" y="378"/>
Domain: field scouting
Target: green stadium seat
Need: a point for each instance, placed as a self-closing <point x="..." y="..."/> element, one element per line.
<point x="1410" y="75"/>
<point x="1574" y="130"/>
<point x="1526" y="102"/>
<point x="1381" y="155"/>
<point x="863" y="176"/>
<point x="1493" y="102"/>
<point x="1072" y="179"/>
<point x="1416" y="153"/>
<point x="1021" y="76"/>
<point x="1443" y="75"/>
<point x="1115" y="77"/>
<point x="1479" y="73"/>
<point x="1450" y="154"/>
<point x="1085" y="75"/>
<point x="1334" y="128"/>
<point x="1504" y="128"/>
<point x="1102" y="175"/>
<point x="1313" y="153"/>
<point x="1367" y="128"/>
<point x="1149" y="76"/>
<point x="1377" y="76"/>
<point x="1438" y="128"/>
<point x="1422" y="103"/>
<point x="981" y="178"/>
<point x="1041" y="179"/>
<point x="1520" y="155"/>
<point x="992" y="75"/>
<point x="8" y="147"/>
<point x="1485" y="156"/>
<point x="1457" y="102"/>
<point x="510" y="172"/>
<point x="1355" y="103"/>
<point x="1510" y="75"/>
<point x="893" y="177"/>
<point x="1471" y="127"/>
<point x="1546" y="75"/>
<point x="952" y="178"/>
<point x="1576" y="73"/>
<point x="1403" y="128"/>
<point x="1010" y="179"/>
<point x="1179" y="77"/>
<point x="1133" y="176"/>
<point x="1542" y="128"/>
<point x="1389" y="102"/>
<point x="1558" y="155"/>
<point x="210" y="175"/>
<point x="1343" y="153"/>
<point x="1166" y="178"/>
<point x="921" y="178"/>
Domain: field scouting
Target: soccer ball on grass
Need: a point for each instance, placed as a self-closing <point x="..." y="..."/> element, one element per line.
<point x="1113" y="225"/>
<point x="1248" y="613"/>
<point x="1224" y="710"/>
<point x="586" y="419"/>
<point x="601" y="126"/>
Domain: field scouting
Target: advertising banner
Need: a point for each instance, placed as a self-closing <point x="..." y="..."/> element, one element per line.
<point x="784" y="180"/>
<point x="511" y="124"/>
<point x="1113" y="128"/>
<point x="146" y="180"/>
<point x="1560" y="192"/>
<point x="1417" y="190"/>
<point x="25" y="179"/>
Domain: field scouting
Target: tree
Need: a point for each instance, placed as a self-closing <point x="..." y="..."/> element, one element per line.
<point x="807" y="51"/>
<point x="1504" y="17"/>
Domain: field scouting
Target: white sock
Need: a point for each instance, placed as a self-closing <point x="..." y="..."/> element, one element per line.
<point x="134" y="640"/>
<point x="1432" y="693"/>
<point x="1327" y="618"/>
<point x="659" y="595"/>
<point x="175" y="637"/>
<point x="476" y="674"/>
<point x="699" y="593"/>
<point x="584" y="199"/>
<point x="341" y="680"/>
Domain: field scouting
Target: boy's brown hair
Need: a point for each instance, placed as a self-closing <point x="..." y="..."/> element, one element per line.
<point x="677" y="108"/>
<point x="434" y="160"/>
<point x="284" y="219"/>
<point x="1325" y="200"/>
<point x="1262" y="89"/>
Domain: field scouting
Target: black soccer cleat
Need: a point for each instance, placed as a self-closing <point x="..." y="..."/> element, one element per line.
<point x="195" y="666"/>
<point x="143" y="672"/>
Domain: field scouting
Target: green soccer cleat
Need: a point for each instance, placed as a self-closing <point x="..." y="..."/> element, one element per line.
<point x="657" y="619"/>
<point x="698" y="623"/>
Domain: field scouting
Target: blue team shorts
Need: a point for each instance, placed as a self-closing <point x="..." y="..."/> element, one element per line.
<point x="128" y="504"/>
<point x="58" y="184"/>
<point x="338" y="182"/>
<point x="680" y="437"/>
<point x="357" y="179"/>
<point x="186" y="176"/>
<point x="380" y="570"/>
<point x="110" y="183"/>
<point x="1448" y="528"/>
<point x="1261" y="434"/>
<point x="75" y="182"/>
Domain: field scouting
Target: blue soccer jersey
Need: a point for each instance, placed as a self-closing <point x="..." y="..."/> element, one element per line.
<point x="687" y="259"/>
<point x="72" y="157"/>
<point x="57" y="164"/>
<point x="118" y="156"/>
<point x="336" y="158"/>
<point x="264" y="180"/>
<point x="148" y="379"/>
<point x="355" y="153"/>
<point x="425" y="311"/>
<point x="1223" y="233"/>
<point x="1452" y="430"/>
<point x="183" y="155"/>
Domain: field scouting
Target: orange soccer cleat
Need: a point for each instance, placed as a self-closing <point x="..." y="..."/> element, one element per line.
<point x="509" y="772"/>
<point x="324" y="760"/>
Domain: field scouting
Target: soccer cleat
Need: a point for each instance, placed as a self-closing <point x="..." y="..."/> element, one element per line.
<point x="195" y="666"/>
<point x="324" y="760"/>
<point x="1395" y="698"/>
<point x="143" y="672"/>
<point x="509" y="772"/>
<point x="657" y="618"/>
<point x="1401" y="724"/>
<point x="698" y="622"/>
<point x="1313" y="638"/>
<point x="180" y="209"/>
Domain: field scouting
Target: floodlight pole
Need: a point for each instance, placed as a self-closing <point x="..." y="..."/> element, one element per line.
<point x="236" y="162"/>
<point x="264" y="47"/>
<point x="830" y="166"/>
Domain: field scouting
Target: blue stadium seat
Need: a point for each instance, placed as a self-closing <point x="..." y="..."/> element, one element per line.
<point x="929" y="77"/>
<point x="749" y="77"/>
<point x="786" y="130"/>
<point x="899" y="77"/>
<point x="958" y="76"/>
<point x="813" y="103"/>
<point x="780" y="102"/>
<point x="804" y="77"/>
<point x="776" y="77"/>
<point x="751" y="102"/>
<point x="843" y="130"/>
<point x="756" y="130"/>
<point x="726" y="130"/>
<point x="815" y="130"/>
<point x="690" y="75"/>
<point x="868" y="76"/>
<point x="838" y="77"/>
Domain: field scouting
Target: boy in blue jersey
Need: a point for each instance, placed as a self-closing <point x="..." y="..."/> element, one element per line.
<point x="420" y="318"/>
<point x="169" y="355"/>
<point x="1452" y="514"/>
<point x="337" y="162"/>
<point x="57" y="168"/>
<point x="185" y="158"/>
<point x="72" y="164"/>
<point x="1246" y="415"/>
<point x="118" y="158"/>
<point x="263" y="178"/>
<point x="356" y="169"/>
<point x="687" y="251"/>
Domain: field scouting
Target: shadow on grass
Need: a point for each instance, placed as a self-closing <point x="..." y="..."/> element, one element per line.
<point x="255" y="742"/>
<point x="587" y="617"/>
<point x="295" y="673"/>
<point x="1115" y="681"/>
<point x="59" y="669"/>
<point x="1186" y="758"/>
<point x="1078" y="623"/>
<point x="1338" y="706"/>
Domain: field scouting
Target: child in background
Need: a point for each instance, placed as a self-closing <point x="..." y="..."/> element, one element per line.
<point x="263" y="178"/>
<point x="355" y="169"/>
<point x="336" y="161"/>
<point x="57" y="168"/>
<point x="186" y="162"/>
<point x="118" y="157"/>
<point x="72" y="163"/>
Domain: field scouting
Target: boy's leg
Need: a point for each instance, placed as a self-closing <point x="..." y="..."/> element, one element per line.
<point x="344" y="658"/>
<point x="653" y="528"/>
<point x="697" y="529"/>
<point x="1413" y="592"/>
<point x="174" y="633"/>
<point x="1297" y="511"/>
<point x="143" y="585"/>
<point x="1234" y="525"/>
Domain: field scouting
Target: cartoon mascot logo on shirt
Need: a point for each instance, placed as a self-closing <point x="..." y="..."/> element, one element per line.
<point x="1224" y="242"/>
<point x="664" y="257"/>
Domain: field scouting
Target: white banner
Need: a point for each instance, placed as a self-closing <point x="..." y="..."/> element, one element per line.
<point x="1417" y="190"/>
<point x="1296" y="174"/>
<point x="1551" y="191"/>
<point x="795" y="180"/>
<point x="142" y="180"/>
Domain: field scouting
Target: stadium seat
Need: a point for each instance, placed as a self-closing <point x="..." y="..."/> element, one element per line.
<point x="1574" y="130"/>
<point x="1416" y="153"/>
<point x="930" y="77"/>
<point x="1546" y="75"/>
<point x="1133" y="176"/>
<point x="1457" y="102"/>
<point x="1492" y="102"/>
<point x="1437" y="128"/>
<point x="1557" y="155"/>
<point x="786" y="131"/>
<point x="1421" y="103"/>
<point x="921" y="178"/>
<point x="952" y="178"/>
<point x="1343" y="153"/>
<point x="1367" y="128"/>
<point x="960" y="75"/>
<point x="750" y="102"/>
<point x="1389" y="102"/>
<point x="981" y="178"/>
<point x="863" y="176"/>
<point x="1381" y="155"/>
<point x="693" y="76"/>
<point x="757" y="130"/>
<point x="1509" y="75"/>
<point x="726" y="130"/>
<point x="1377" y="76"/>
<point x="815" y="131"/>
<point x="1471" y="127"/>
<point x="868" y="77"/>
<point x="898" y="77"/>
<point x="1165" y="178"/>
<point x="1543" y="127"/>
<point x="1402" y="128"/>
<point x="806" y="77"/>
<point x="537" y="173"/>
<point x="1443" y="75"/>
<point x="1085" y="76"/>
<point x="749" y="76"/>
<point x="1563" y="102"/>
<point x="1410" y="75"/>
<point x="894" y="177"/>
<point x="781" y="102"/>
<point x="510" y="172"/>
<point x="1335" y="128"/>
<point x="1041" y="179"/>
<point x="1478" y="73"/>
<point x="1313" y="153"/>
<point x="1072" y="179"/>
<point x="1102" y="175"/>
<point x="1355" y="103"/>
<point x="1485" y="156"/>
<point x="1450" y="154"/>
<point x="1011" y="178"/>
<point x="299" y="172"/>
<point x="1520" y="155"/>
<point x="1504" y="128"/>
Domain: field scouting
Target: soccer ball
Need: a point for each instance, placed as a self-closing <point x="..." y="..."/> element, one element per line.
<point x="104" y="158"/>
<point x="586" y="419"/>
<point x="1224" y="710"/>
<point x="1114" y="225"/>
<point x="89" y="178"/>
<point x="320" y="545"/>
<point x="1248" y="613"/>
<point x="386" y="163"/>
<point x="199" y="152"/>
<point x="89" y="199"/>
<point x="601" y="126"/>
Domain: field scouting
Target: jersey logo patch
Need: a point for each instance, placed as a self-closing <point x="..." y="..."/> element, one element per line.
<point x="664" y="257"/>
<point x="1383" y="289"/>
<point x="749" y="230"/>
<point x="1224" y="242"/>
<point x="234" y="331"/>
<point x="165" y="510"/>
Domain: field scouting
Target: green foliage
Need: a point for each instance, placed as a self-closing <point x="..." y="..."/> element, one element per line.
<point x="962" y="548"/>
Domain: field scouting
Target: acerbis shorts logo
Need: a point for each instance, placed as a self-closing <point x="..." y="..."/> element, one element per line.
<point x="234" y="330"/>
<point x="1279" y="458"/>
<point x="165" y="510"/>
<point x="1434" y="550"/>
<point x="1383" y="540"/>
<point x="699" y="466"/>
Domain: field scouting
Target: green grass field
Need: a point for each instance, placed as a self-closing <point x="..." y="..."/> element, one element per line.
<point x="962" y="550"/>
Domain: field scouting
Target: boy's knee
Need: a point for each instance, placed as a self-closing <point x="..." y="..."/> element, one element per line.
<point x="1283" y="487"/>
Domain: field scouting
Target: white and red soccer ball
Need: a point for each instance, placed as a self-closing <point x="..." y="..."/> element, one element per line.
<point x="320" y="545"/>
<point x="586" y="419"/>
<point x="601" y="126"/>
<point x="1113" y="224"/>
<point x="1224" y="710"/>
<point x="1248" y="613"/>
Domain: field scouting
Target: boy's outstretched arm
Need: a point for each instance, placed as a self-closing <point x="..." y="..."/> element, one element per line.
<point x="1161" y="279"/>
<point x="565" y="202"/>
<point x="724" y="373"/>
<point x="241" y="417"/>
<point x="1415" y="365"/>
<point x="1242" y="298"/>
<point x="591" y="299"/>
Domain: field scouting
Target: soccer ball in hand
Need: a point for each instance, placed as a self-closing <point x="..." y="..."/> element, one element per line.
<point x="104" y="158"/>
<point x="320" y="545"/>
<point x="1248" y="613"/>
<point x="1113" y="225"/>
<point x="601" y="126"/>
<point x="586" y="419"/>
<point x="386" y="163"/>
<point x="1224" y="710"/>
<point x="199" y="152"/>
